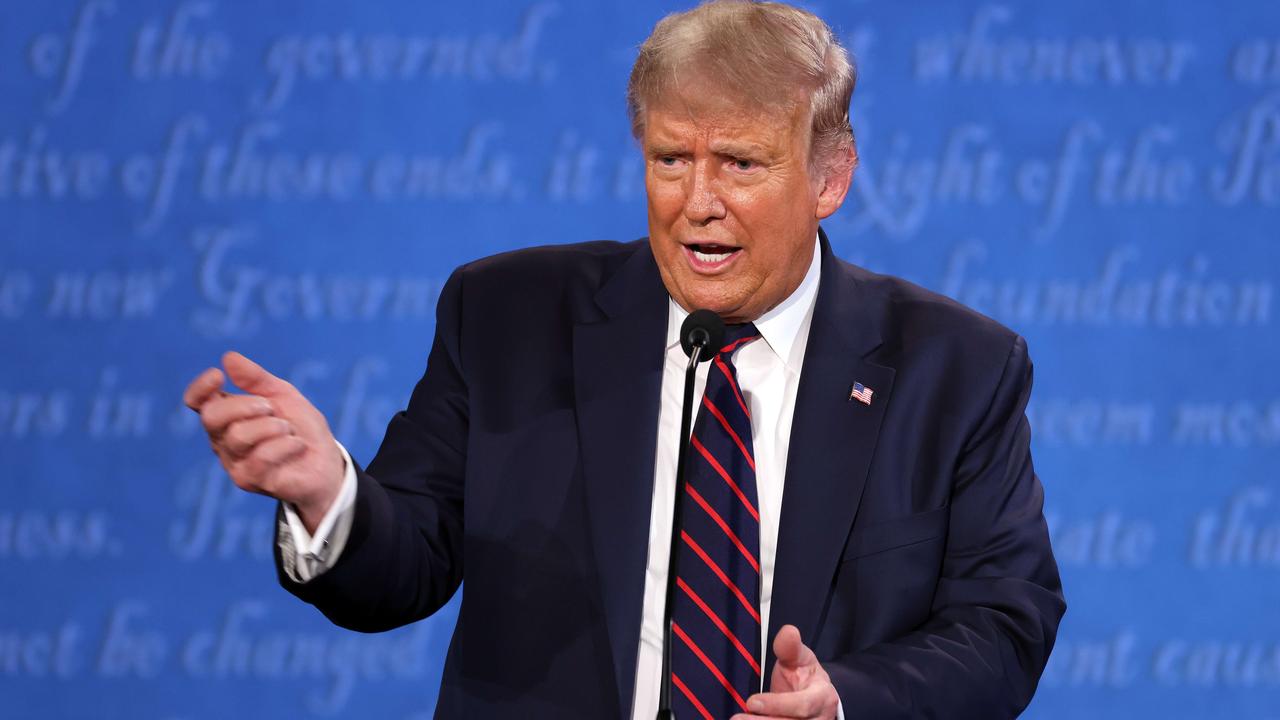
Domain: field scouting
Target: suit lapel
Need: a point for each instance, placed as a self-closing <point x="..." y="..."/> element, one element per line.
<point x="833" y="439"/>
<point x="617" y="361"/>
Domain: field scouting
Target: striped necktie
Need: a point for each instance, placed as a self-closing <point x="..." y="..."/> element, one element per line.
<point x="715" y="652"/>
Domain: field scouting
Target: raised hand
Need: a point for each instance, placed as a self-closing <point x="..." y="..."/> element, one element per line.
<point x="798" y="688"/>
<point x="271" y="440"/>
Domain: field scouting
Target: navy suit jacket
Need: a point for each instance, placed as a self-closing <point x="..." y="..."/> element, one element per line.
<point x="912" y="550"/>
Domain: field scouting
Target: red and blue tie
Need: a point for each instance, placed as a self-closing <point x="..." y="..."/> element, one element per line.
<point x="715" y="652"/>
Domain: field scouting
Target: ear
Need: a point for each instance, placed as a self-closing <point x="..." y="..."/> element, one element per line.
<point x="835" y="183"/>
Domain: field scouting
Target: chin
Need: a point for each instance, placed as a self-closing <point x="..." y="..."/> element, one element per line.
<point x="716" y="303"/>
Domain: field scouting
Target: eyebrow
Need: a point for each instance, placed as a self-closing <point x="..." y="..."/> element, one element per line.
<point x="728" y="148"/>
<point x="738" y="149"/>
<point x="660" y="147"/>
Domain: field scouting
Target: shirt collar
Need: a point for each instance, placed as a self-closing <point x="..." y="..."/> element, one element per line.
<point x="781" y="326"/>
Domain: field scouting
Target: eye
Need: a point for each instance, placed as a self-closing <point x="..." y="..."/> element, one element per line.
<point x="744" y="165"/>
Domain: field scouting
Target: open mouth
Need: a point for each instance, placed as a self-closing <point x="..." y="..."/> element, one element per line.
<point x="712" y="253"/>
<point x="709" y="257"/>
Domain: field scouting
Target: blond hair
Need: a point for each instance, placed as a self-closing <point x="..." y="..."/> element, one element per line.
<point x="763" y="53"/>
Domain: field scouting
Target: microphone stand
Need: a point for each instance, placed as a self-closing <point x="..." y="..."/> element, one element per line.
<point x="690" y="372"/>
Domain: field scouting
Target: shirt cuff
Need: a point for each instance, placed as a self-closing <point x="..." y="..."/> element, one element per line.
<point x="306" y="557"/>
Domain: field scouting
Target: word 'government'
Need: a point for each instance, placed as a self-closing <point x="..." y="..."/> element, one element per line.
<point x="241" y="296"/>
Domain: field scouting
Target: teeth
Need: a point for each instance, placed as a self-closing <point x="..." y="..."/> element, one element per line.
<point x="711" y="257"/>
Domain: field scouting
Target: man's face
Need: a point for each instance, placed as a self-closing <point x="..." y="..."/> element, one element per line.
<point x="733" y="210"/>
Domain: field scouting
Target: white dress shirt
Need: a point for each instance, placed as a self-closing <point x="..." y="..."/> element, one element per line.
<point x="768" y="375"/>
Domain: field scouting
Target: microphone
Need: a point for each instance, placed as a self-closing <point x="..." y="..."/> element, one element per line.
<point x="702" y="329"/>
<point x="701" y="336"/>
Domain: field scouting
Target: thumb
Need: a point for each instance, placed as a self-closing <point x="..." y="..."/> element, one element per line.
<point x="790" y="651"/>
<point x="252" y="377"/>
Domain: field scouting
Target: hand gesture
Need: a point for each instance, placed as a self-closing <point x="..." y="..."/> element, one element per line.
<point x="798" y="688"/>
<point x="271" y="440"/>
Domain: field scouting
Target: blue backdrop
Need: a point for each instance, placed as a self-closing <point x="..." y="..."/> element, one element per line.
<point x="296" y="179"/>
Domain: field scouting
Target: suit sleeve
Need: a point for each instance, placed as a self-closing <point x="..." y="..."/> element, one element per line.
<point x="403" y="557"/>
<point x="999" y="599"/>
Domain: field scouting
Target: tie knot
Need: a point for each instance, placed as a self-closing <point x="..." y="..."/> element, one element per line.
<point x="735" y="336"/>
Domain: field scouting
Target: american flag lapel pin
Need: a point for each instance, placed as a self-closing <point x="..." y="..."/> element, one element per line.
<point x="861" y="393"/>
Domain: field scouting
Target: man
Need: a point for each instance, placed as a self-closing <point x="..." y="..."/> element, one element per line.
<point x="862" y="535"/>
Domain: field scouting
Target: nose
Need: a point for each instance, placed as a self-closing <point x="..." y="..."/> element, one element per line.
<point x="701" y="198"/>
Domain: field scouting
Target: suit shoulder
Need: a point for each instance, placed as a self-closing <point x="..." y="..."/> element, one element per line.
<point x="564" y="259"/>
<point x="538" y="286"/>
<point x="547" y="267"/>
<point x="916" y="319"/>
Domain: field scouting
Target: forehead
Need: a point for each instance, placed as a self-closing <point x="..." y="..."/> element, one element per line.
<point x="715" y="120"/>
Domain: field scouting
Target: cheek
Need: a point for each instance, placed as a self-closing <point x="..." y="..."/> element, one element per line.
<point x="665" y="198"/>
<point x="774" y="226"/>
